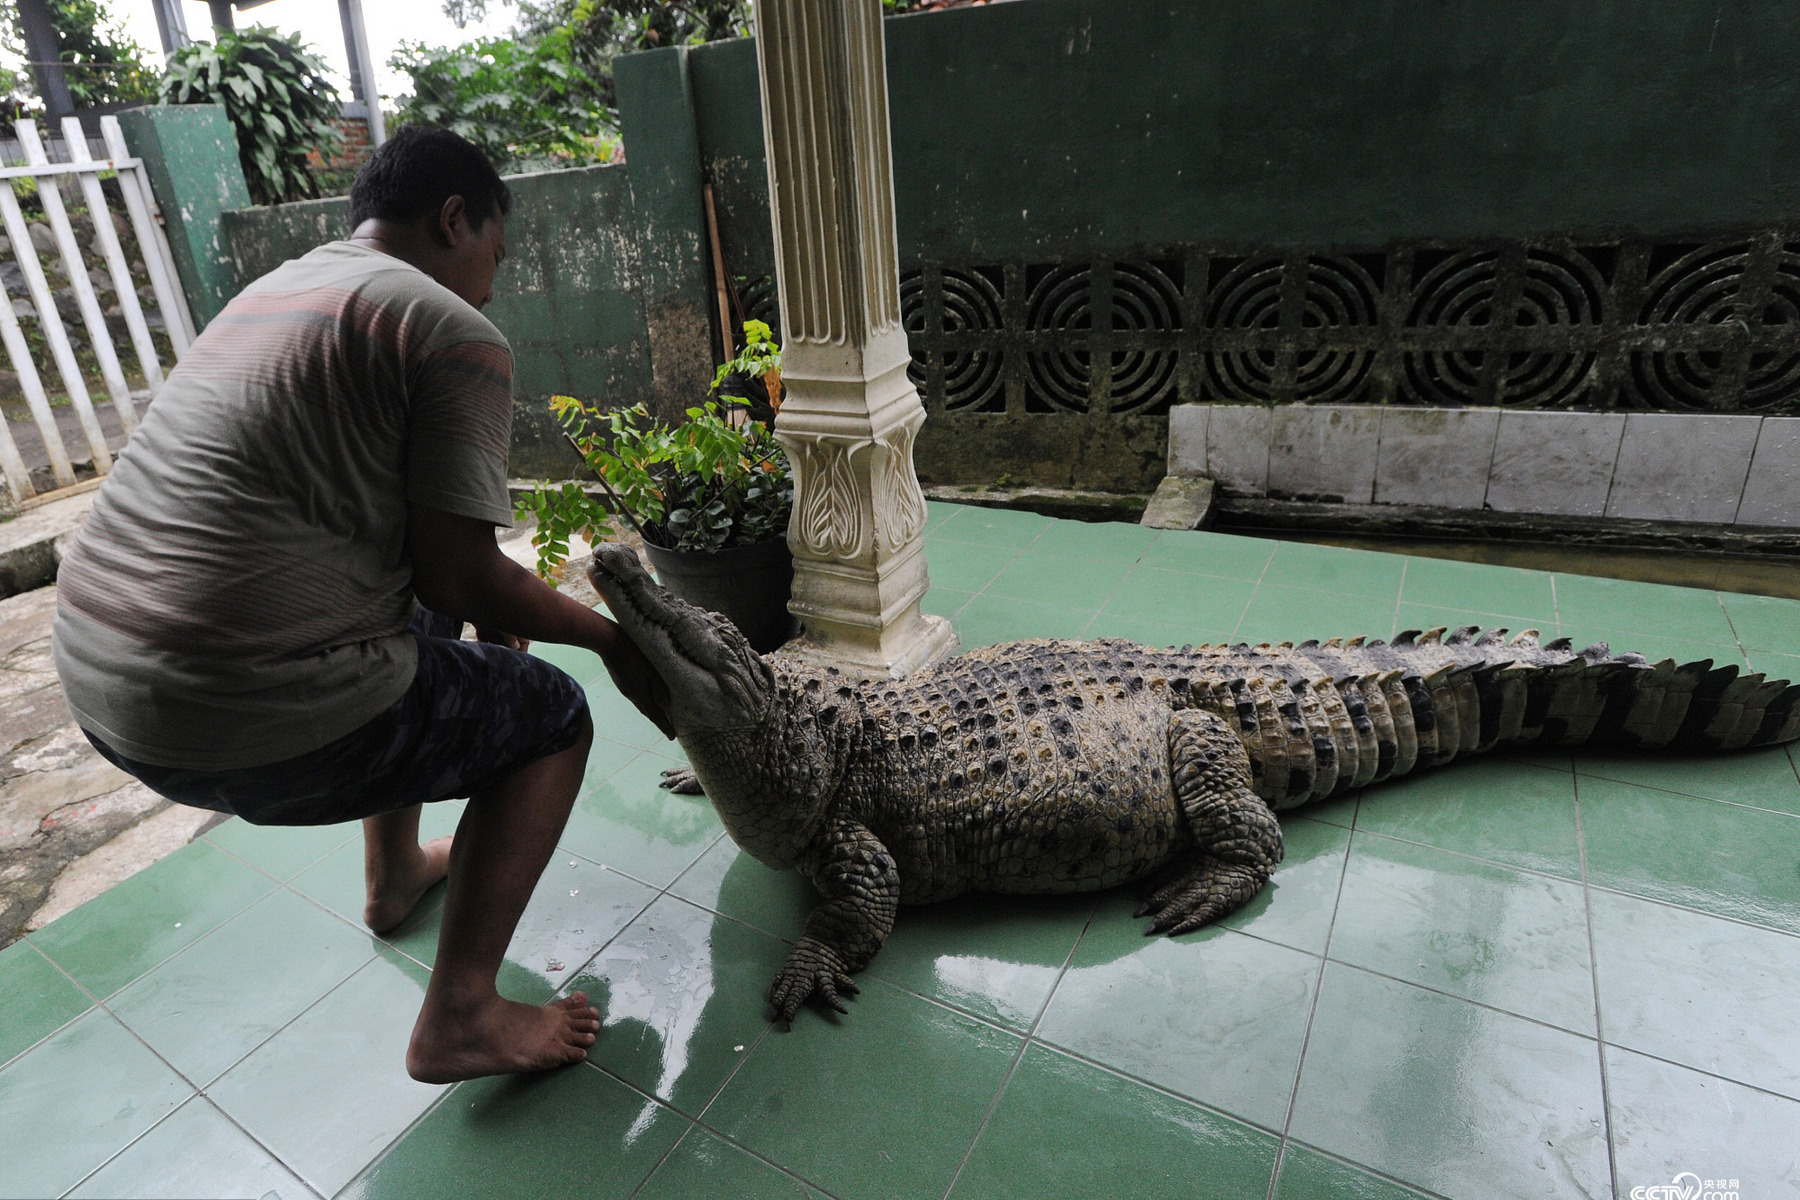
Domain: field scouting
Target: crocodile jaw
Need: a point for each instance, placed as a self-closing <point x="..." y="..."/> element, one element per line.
<point x="716" y="681"/>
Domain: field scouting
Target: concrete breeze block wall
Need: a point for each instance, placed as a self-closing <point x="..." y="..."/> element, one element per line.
<point x="1715" y="469"/>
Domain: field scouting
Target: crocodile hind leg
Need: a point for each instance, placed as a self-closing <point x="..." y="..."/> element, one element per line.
<point x="682" y="781"/>
<point x="1237" y="840"/>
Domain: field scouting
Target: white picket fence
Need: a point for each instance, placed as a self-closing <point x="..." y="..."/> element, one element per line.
<point x="153" y="247"/>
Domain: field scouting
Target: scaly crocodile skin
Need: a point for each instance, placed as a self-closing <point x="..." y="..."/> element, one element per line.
<point x="1058" y="766"/>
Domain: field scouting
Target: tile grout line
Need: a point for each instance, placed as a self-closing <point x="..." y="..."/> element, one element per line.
<point x="437" y="1103"/>
<point x="1414" y="1188"/>
<point x="1250" y="600"/>
<point x="73" y="982"/>
<point x="555" y="992"/>
<point x="1437" y="991"/>
<point x="575" y="972"/>
<point x="96" y="1005"/>
<point x="1650" y="787"/>
<point x="696" y="1121"/>
<point x="197" y="1098"/>
<point x="280" y="879"/>
<point x="1679" y="1065"/>
<point x="1016" y="551"/>
<point x="1598" y="887"/>
<point x="675" y="1145"/>
<point x="170" y="957"/>
<point x="1399" y="596"/>
<point x="1312" y="1012"/>
<point x="1025" y="1045"/>
<point x="1125" y="575"/>
<point x="1587" y="908"/>
<point x="1743" y="650"/>
<point x="199" y="1092"/>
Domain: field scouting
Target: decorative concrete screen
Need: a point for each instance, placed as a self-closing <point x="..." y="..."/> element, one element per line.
<point x="1679" y="324"/>
<point x="1718" y="469"/>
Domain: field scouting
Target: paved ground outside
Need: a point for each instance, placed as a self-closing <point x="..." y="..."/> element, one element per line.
<point x="1555" y="974"/>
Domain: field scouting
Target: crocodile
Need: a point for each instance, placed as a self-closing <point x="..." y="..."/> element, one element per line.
<point x="1047" y="766"/>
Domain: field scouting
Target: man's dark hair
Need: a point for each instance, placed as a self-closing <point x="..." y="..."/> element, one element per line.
<point x="420" y="167"/>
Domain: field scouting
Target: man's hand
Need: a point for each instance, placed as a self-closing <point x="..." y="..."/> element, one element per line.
<point x="637" y="680"/>
<point x="495" y="637"/>
<point x="460" y="572"/>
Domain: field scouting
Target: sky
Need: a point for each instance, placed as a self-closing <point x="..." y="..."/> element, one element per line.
<point x="388" y="23"/>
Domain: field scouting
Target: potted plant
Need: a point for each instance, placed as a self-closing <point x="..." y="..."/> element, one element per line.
<point x="711" y="496"/>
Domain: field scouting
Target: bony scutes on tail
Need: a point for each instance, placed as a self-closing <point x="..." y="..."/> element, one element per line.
<point x="1058" y="766"/>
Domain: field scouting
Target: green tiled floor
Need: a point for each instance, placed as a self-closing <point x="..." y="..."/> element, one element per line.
<point x="1544" y="974"/>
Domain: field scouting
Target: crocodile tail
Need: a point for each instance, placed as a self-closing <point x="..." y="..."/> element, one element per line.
<point x="1444" y="694"/>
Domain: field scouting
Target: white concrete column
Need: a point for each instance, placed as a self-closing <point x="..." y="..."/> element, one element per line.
<point x="851" y="412"/>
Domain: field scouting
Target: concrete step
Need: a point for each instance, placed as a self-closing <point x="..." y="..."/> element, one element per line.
<point x="31" y="544"/>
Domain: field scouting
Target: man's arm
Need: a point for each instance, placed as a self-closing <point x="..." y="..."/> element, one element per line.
<point x="459" y="571"/>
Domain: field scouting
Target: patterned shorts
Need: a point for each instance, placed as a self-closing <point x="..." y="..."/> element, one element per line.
<point x="473" y="714"/>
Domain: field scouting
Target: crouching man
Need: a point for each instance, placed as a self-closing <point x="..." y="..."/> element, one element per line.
<point x="261" y="615"/>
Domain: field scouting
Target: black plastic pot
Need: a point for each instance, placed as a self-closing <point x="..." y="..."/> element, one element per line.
<point x="747" y="584"/>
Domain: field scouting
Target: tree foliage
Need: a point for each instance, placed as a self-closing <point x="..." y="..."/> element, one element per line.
<point x="542" y="95"/>
<point x="102" y="64"/>
<point x="526" y="104"/>
<point x="279" y="98"/>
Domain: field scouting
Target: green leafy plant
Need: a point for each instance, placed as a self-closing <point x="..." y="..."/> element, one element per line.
<point x="705" y="484"/>
<point x="758" y="362"/>
<point x="280" y="100"/>
<point x="541" y="96"/>
<point x="526" y="104"/>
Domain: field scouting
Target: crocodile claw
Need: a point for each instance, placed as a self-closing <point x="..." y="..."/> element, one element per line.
<point x="812" y="971"/>
<point x="682" y="781"/>
<point x="1205" y="892"/>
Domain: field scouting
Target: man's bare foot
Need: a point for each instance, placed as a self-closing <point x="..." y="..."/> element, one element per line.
<point x="497" y="1036"/>
<point x="398" y="890"/>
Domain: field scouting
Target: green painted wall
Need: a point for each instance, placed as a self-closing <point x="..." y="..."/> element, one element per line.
<point x="728" y="114"/>
<point x="567" y="297"/>
<point x="1078" y="124"/>
<point x="1072" y="125"/>
<point x="1069" y="127"/>
<point x="191" y="156"/>
<point x="674" y="274"/>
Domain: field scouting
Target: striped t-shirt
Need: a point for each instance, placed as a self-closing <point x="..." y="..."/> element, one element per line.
<point x="240" y="593"/>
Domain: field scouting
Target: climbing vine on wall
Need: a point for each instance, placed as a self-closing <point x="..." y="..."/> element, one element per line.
<point x="280" y="101"/>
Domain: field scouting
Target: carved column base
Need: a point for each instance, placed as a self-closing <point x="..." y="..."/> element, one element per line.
<point x="866" y="622"/>
<point x="859" y="516"/>
<point x="933" y="640"/>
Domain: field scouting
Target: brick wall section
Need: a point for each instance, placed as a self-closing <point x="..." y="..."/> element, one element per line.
<point x="353" y="147"/>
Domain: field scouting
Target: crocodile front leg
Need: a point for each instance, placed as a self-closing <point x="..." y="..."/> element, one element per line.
<point x="862" y="890"/>
<point x="1237" y="839"/>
